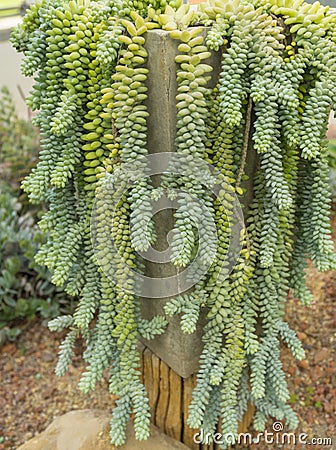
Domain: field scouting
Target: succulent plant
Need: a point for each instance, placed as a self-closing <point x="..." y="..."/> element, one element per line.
<point x="277" y="81"/>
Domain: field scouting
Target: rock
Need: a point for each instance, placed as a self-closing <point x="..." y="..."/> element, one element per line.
<point x="304" y="325"/>
<point x="304" y="364"/>
<point x="88" y="430"/>
<point x="301" y="335"/>
<point x="322" y="355"/>
<point x="328" y="407"/>
<point x="316" y="374"/>
<point x="291" y="370"/>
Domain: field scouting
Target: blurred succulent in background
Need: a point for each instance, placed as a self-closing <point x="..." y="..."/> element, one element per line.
<point x="25" y="287"/>
<point x="332" y="164"/>
<point x="19" y="141"/>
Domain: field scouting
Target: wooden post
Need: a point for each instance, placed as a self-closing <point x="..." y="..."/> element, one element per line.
<point x="169" y="399"/>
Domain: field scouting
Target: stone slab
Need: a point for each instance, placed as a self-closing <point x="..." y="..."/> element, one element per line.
<point x="89" y="430"/>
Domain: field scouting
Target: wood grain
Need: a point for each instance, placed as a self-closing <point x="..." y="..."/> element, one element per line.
<point x="164" y="394"/>
<point x="169" y="399"/>
<point x="188" y="433"/>
<point x="174" y="413"/>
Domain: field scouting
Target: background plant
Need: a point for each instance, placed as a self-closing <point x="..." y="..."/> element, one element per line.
<point x="19" y="141"/>
<point x="277" y="84"/>
<point x="25" y="287"/>
<point x="332" y="164"/>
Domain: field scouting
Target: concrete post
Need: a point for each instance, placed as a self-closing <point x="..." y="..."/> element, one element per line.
<point x="179" y="351"/>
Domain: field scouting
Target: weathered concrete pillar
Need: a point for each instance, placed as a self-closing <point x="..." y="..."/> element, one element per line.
<point x="180" y="351"/>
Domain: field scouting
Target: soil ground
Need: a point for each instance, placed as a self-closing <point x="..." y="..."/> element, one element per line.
<point x="31" y="396"/>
